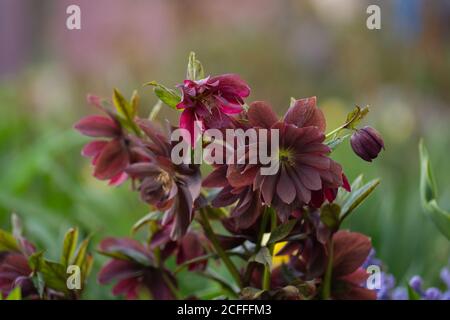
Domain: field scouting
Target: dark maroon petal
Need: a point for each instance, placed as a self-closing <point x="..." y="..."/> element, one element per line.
<point x="304" y="113"/>
<point x="93" y="148"/>
<point x="191" y="248"/>
<point x="260" y="114"/>
<point x="239" y="179"/>
<point x="217" y="178"/>
<point x="187" y="122"/>
<point x="268" y="188"/>
<point x="346" y="184"/>
<point x="128" y="287"/>
<point x="231" y="83"/>
<point x="376" y="136"/>
<point x="350" y="251"/>
<point x="118" y="270"/>
<point x="112" y="160"/>
<point x="309" y="177"/>
<point x="143" y="169"/>
<point x="225" y="198"/>
<point x="285" y="187"/>
<point x="124" y="247"/>
<point x="98" y="126"/>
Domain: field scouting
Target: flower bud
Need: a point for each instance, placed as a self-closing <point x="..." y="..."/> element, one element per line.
<point x="367" y="143"/>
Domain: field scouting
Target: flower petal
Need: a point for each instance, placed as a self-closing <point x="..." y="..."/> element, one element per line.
<point x="98" y="126"/>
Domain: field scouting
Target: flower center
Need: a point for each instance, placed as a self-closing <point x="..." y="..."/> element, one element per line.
<point x="286" y="156"/>
<point x="165" y="180"/>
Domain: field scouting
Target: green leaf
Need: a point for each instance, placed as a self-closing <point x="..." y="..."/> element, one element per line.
<point x="329" y="215"/>
<point x="357" y="196"/>
<point x="168" y="96"/>
<point x="8" y="242"/>
<point x="134" y="104"/>
<point x="80" y="255"/>
<point x="195" y="69"/>
<point x="152" y="216"/>
<point x="355" y="117"/>
<point x="15" y="294"/>
<point x="69" y="246"/>
<point x="412" y="294"/>
<point x="53" y="273"/>
<point x="263" y="257"/>
<point x="428" y="194"/>
<point x="122" y="105"/>
<point x="281" y="231"/>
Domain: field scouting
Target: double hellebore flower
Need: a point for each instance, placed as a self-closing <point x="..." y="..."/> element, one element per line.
<point x="367" y="143"/>
<point x="170" y="188"/>
<point x="110" y="155"/>
<point x="135" y="269"/>
<point x="211" y="100"/>
<point x="304" y="166"/>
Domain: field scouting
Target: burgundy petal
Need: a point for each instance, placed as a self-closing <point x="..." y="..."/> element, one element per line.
<point x="98" y="126"/>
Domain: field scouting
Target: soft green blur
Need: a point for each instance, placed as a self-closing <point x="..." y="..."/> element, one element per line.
<point x="282" y="49"/>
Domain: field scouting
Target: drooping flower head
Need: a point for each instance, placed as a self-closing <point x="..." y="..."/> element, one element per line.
<point x="110" y="154"/>
<point x="171" y="188"/>
<point x="134" y="268"/>
<point x="211" y="100"/>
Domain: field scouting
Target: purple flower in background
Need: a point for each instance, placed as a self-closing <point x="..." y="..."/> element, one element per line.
<point x="211" y="100"/>
<point x="367" y="143"/>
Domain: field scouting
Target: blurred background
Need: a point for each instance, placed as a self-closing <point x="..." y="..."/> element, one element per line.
<point x="281" y="48"/>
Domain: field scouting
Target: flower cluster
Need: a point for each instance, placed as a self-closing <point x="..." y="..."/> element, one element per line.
<point x="295" y="212"/>
<point x="273" y="219"/>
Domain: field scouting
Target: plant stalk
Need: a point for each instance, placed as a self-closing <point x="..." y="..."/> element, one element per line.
<point x="219" y="250"/>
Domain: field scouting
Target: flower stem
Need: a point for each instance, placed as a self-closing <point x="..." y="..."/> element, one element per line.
<point x="219" y="250"/>
<point x="267" y="271"/>
<point x="326" y="288"/>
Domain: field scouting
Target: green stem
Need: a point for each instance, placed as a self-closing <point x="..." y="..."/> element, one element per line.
<point x="326" y="288"/>
<point x="329" y="134"/>
<point x="172" y="287"/>
<point x="219" y="250"/>
<point x="267" y="271"/>
<point x="262" y="229"/>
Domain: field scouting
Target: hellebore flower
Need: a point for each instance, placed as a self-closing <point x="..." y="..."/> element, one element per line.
<point x="170" y="188"/>
<point x="134" y="268"/>
<point x="15" y="271"/>
<point x="211" y="100"/>
<point x="350" y="251"/>
<point x="109" y="157"/>
<point x="367" y="143"/>
<point x="304" y="166"/>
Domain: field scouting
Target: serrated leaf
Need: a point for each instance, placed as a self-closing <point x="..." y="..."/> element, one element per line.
<point x="152" y="216"/>
<point x="281" y="231"/>
<point x="263" y="257"/>
<point x="8" y="242"/>
<point x="329" y="215"/>
<point x="69" y="246"/>
<point x="357" y="196"/>
<point x="194" y="69"/>
<point x="428" y="194"/>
